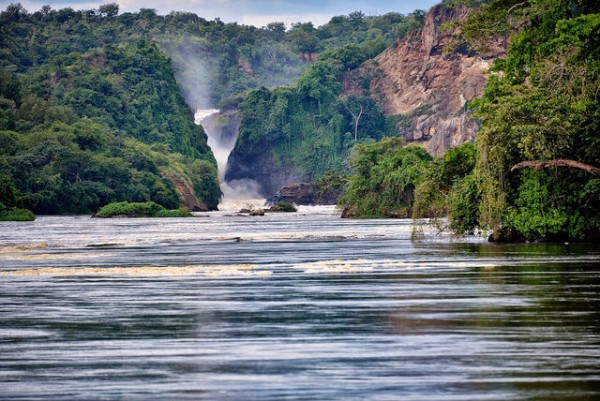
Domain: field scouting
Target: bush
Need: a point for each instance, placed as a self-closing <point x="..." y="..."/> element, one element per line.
<point x="386" y="174"/>
<point x="140" y="209"/>
<point x="181" y="212"/>
<point x="448" y="188"/>
<point x="329" y="187"/>
<point x="283" y="207"/>
<point x="17" y="215"/>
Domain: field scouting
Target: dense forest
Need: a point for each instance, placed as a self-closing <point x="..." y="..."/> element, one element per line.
<point x="533" y="172"/>
<point x="96" y="106"/>
<point x="307" y="130"/>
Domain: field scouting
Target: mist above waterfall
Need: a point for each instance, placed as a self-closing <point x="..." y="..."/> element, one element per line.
<point x="219" y="146"/>
<point x="239" y="194"/>
<point x="194" y="74"/>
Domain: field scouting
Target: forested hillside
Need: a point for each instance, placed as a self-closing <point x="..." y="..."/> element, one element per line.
<point x="541" y="105"/>
<point x="90" y="110"/>
<point x="533" y="173"/>
<point x="301" y="132"/>
<point x="97" y="106"/>
<point x="88" y="129"/>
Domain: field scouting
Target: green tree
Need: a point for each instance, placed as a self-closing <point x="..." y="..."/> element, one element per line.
<point x="446" y="177"/>
<point x="385" y="176"/>
<point x="9" y="195"/>
<point x="541" y="104"/>
<point x="109" y="10"/>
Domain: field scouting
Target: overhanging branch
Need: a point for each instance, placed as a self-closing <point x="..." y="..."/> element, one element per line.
<point x="557" y="163"/>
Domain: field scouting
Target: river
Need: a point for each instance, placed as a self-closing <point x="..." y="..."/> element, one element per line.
<point x="303" y="306"/>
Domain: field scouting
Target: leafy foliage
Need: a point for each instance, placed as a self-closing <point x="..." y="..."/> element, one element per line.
<point x="78" y="167"/>
<point x="542" y="104"/>
<point x="309" y="128"/>
<point x="10" y="200"/>
<point x="17" y="215"/>
<point x="9" y="195"/>
<point x="283" y="206"/>
<point x="139" y="209"/>
<point x="81" y="130"/>
<point x="91" y="114"/>
<point x="386" y="174"/>
<point x="234" y="58"/>
<point x="443" y="181"/>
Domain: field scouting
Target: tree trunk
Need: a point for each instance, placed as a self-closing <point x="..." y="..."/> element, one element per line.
<point x="557" y="163"/>
<point x="356" y="124"/>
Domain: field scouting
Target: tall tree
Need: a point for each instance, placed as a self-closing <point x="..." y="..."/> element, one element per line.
<point x="540" y="104"/>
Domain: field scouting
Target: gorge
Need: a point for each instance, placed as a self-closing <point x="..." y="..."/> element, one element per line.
<point x="222" y="130"/>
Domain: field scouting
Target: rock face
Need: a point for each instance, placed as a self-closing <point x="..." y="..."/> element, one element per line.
<point x="187" y="196"/>
<point x="305" y="193"/>
<point x="427" y="88"/>
<point x="257" y="163"/>
<point x="420" y="83"/>
<point x="302" y="193"/>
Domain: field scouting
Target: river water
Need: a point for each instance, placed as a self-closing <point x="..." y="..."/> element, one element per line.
<point x="302" y="306"/>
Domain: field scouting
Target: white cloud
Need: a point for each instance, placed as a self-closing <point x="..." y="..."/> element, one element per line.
<point x="33" y="6"/>
<point x="248" y="12"/>
<point x="262" y="20"/>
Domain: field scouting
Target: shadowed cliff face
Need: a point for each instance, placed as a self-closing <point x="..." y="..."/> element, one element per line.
<point x="427" y="87"/>
<point x="257" y="163"/>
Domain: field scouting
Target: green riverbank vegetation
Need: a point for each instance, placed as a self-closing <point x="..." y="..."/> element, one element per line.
<point x="533" y="171"/>
<point x="308" y="129"/>
<point x="11" y="202"/>
<point x="140" y="209"/>
<point x="84" y="130"/>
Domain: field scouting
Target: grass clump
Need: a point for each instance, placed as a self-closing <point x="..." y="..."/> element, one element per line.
<point x="140" y="209"/>
<point x="17" y="215"/>
<point x="181" y="212"/>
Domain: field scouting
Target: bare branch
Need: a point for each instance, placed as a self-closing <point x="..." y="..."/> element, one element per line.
<point x="510" y="10"/>
<point x="357" y="119"/>
<point x="557" y="163"/>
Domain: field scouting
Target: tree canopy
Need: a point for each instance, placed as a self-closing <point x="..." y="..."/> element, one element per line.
<point x="540" y="104"/>
<point x="90" y="112"/>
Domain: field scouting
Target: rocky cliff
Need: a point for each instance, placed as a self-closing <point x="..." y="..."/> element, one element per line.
<point x="256" y="163"/>
<point x="287" y="137"/>
<point x="426" y="86"/>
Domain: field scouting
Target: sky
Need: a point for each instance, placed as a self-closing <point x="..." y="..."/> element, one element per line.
<point x="249" y="12"/>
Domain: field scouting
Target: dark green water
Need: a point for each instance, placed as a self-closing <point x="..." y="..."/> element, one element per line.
<point x="328" y="309"/>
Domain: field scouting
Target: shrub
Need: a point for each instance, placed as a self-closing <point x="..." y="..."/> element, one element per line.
<point x="140" y="209"/>
<point x="181" y="212"/>
<point x="386" y="174"/>
<point x="17" y="215"/>
<point x="283" y="207"/>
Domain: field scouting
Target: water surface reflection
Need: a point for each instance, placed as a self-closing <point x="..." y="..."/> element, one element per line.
<point x="328" y="309"/>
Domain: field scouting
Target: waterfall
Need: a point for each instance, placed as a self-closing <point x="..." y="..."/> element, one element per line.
<point x="237" y="194"/>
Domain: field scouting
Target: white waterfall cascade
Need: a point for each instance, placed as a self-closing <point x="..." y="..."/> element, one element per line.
<point x="237" y="194"/>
